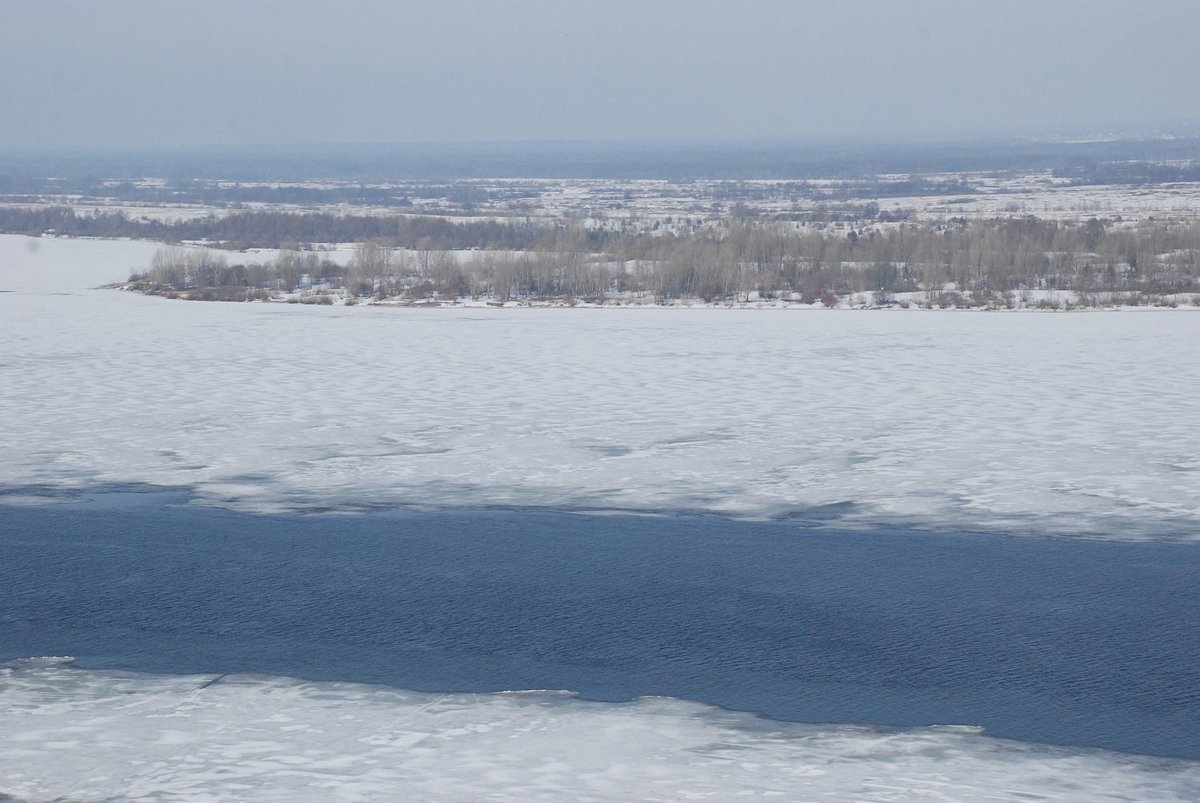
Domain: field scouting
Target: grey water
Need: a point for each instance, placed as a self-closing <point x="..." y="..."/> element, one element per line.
<point x="1043" y="639"/>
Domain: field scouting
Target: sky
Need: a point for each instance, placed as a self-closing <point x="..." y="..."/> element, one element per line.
<point x="137" y="73"/>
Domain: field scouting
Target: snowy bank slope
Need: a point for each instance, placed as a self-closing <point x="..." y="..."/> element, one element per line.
<point x="1078" y="423"/>
<point x="155" y="737"/>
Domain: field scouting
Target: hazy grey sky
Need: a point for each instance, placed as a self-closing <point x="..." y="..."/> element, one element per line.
<point x="89" y="72"/>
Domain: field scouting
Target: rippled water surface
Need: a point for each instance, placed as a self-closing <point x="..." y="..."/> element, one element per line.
<point x="1040" y="639"/>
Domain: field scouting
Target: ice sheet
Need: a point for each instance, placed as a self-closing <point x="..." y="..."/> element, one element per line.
<point x="74" y="734"/>
<point x="1081" y="423"/>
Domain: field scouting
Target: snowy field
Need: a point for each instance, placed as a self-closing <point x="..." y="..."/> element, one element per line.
<point x="1051" y="198"/>
<point x="74" y="734"/>
<point x="654" y="203"/>
<point x="1075" y="423"/>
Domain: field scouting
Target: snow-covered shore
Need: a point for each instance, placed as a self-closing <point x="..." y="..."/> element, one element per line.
<point x="948" y="300"/>
<point x="234" y="738"/>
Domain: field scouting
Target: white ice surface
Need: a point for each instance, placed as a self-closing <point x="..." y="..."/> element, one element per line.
<point x="79" y="735"/>
<point x="1083" y="423"/>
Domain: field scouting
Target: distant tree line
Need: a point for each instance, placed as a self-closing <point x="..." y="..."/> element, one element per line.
<point x="273" y="229"/>
<point x="463" y="196"/>
<point x="840" y="157"/>
<point x="1135" y="173"/>
<point x="982" y="261"/>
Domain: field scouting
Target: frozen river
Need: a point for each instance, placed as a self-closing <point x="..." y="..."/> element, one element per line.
<point x="1081" y="424"/>
<point x="1082" y="644"/>
<point x="866" y="469"/>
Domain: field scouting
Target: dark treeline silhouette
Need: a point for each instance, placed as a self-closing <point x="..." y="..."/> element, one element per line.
<point x="1135" y="173"/>
<point x="841" y="157"/>
<point x="269" y="229"/>
<point x="463" y="197"/>
<point x="221" y="194"/>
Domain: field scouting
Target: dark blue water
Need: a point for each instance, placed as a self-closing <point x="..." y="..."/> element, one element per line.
<point x="1042" y="639"/>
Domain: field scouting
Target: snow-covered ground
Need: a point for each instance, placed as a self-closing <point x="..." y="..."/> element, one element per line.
<point x="74" y="734"/>
<point x="655" y="204"/>
<point x="1081" y="424"/>
<point x="1050" y="198"/>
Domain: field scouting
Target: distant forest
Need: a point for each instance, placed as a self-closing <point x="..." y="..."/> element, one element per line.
<point x="967" y="263"/>
<point x="270" y="229"/>
<point x="675" y="161"/>
<point x="464" y="196"/>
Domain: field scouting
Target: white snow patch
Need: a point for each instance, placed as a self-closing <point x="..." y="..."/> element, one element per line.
<point x="75" y="734"/>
